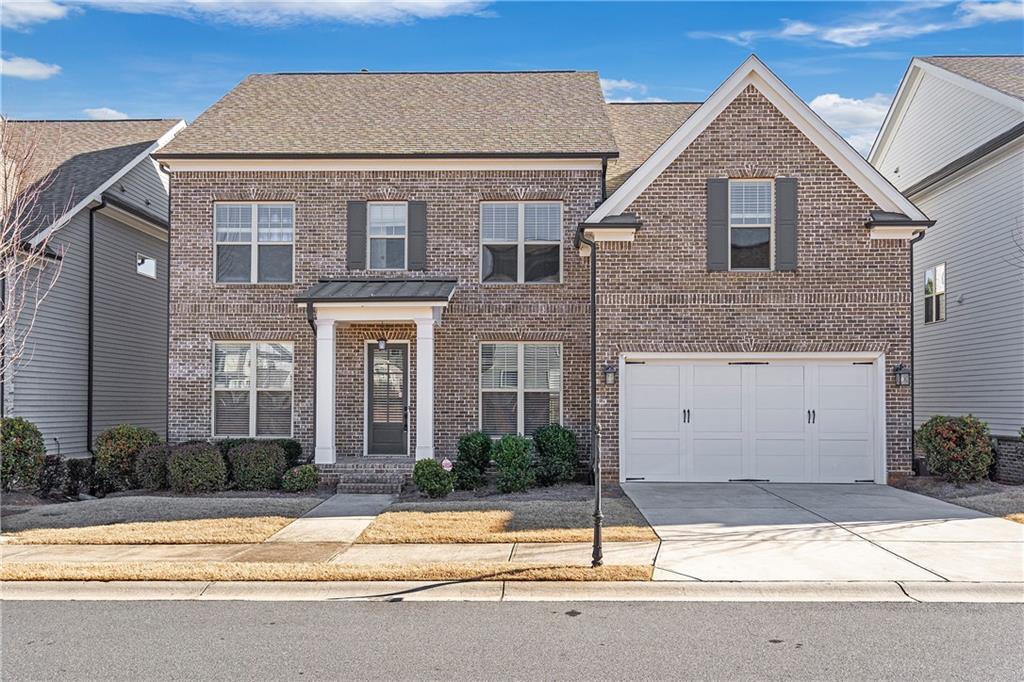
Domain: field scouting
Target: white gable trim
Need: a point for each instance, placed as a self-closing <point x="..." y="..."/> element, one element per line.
<point x="908" y="88"/>
<point x="97" y="193"/>
<point x="754" y="72"/>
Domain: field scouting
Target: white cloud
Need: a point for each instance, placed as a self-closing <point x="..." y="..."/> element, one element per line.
<point x="898" y="22"/>
<point x="635" y="100"/>
<point x="105" y="114"/>
<point x="29" y="69"/>
<point x="611" y="86"/>
<point x="249" y="12"/>
<point x="858" y="120"/>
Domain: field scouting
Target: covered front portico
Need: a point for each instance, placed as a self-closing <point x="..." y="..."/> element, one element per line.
<point x="365" y="301"/>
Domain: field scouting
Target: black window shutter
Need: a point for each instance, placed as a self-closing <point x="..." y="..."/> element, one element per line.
<point x="356" y="235"/>
<point x="718" y="224"/>
<point x="417" y="235"/>
<point x="785" y="224"/>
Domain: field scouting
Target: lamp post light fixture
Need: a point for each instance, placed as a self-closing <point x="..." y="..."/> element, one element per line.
<point x="901" y="375"/>
<point x="382" y="344"/>
<point x="611" y="372"/>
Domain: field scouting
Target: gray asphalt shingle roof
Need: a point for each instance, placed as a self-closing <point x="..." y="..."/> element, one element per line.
<point x="639" y="130"/>
<point x="1004" y="73"/>
<point x="400" y="114"/>
<point x="81" y="155"/>
<point x="378" y="290"/>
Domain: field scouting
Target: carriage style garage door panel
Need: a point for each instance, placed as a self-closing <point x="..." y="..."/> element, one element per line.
<point x="784" y="420"/>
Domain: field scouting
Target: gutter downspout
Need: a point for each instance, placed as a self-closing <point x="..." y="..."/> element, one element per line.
<point x="311" y="319"/>
<point x="604" y="181"/>
<point x="913" y="367"/>
<point x="92" y="326"/>
<point x="595" y="428"/>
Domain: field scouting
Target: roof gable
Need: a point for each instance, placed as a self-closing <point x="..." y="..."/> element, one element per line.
<point x="639" y="129"/>
<point x="370" y="115"/>
<point x="754" y="72"/>
<point x="1002" y="73"/>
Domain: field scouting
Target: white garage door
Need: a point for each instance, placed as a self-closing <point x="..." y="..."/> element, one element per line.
<point x="790" y="421"/>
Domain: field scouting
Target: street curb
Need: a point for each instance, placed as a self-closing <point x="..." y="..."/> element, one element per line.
<point x="515" y="591"/>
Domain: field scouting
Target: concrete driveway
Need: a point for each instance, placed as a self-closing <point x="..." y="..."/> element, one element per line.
<point x="765" y="532"/>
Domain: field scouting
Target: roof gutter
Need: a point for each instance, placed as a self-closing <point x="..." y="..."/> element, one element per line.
<point x="428" y="155"/>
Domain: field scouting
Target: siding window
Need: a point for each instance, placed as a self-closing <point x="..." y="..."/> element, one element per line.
<point x="145" y="265"/>
<point x="935" y="293"/>
<point x="387" y="229"/>
<point x="252" y="389"/>
<point x="520" y="387"/>
<point x="254" y="242"/>
<point x="750" y="224"/>
<point x="521" y="242"/>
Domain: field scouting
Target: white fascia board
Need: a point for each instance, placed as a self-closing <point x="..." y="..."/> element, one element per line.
<point x="98" y="192"/>
<point x="754" y="72"/>
<point x="893" y="117"/>
<point x="382" y="164"/>
<point x="133" y="221"/>
<point x="971" y="85"/>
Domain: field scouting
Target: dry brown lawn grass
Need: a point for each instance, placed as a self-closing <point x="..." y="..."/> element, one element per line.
<point x="231" y="530"/>
<point x="505" y="521"/>
<point x="224" y="571"/>
<point x="1019" y="518"/>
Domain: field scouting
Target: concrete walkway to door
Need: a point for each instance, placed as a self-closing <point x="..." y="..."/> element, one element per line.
<point x="856" y="532"/>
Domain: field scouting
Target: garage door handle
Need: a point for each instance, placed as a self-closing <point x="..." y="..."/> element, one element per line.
<point x="808" y="416"/>
<point x="814" y="416"/>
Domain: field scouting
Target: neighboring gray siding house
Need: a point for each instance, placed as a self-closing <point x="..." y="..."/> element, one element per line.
<point x="96" y="355"/>
<point x="953" y="142"/>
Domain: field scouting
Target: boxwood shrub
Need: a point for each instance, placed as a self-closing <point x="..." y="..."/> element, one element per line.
<point x="959" y="449"/>
<point x="196" y="467"/>
<point x="52" y="477"/>
<point x="474" y="458"/>
<point x="81" y="476"/>
<point x="292" y="448"/>
<point x="431" y="479"/>
<point x="556" y="454"/>
<point x="21" y="453"/>
<point x="513" y="457"/>
<point x="300" y="479"/>
<point x="151" y="467"/>
<point x="116" y="451"/>
<point x="257" y="466"/>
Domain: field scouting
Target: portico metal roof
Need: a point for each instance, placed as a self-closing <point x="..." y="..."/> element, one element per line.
<point x="390" y="290"/>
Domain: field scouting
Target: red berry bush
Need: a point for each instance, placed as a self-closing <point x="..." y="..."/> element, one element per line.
<point x="959" y="449"/>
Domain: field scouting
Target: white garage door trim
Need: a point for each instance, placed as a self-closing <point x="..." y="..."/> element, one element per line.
<point x="877" y="359"/>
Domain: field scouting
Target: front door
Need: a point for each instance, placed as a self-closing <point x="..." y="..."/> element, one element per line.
<point x="387" y="400"/>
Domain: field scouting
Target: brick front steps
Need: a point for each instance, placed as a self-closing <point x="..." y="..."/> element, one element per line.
<point x="368" y="474"/>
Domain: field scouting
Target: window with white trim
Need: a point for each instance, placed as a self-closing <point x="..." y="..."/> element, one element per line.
<point x="751" y="222"/>
<point x="252" y="389"/>
<point x="935" y="293"/>
<point x="145" y="265"/>
<point x="520" y="242"/>
<point x="387" y="227"/>
<point x="520" y="387"/>
<point x="254" y="242"/>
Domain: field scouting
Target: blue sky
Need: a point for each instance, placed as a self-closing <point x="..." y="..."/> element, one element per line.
<point x="173" y="58"/>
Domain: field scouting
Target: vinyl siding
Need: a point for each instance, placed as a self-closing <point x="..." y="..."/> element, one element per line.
<point x="144" y="182"/>
<point x="973" y="361"/>
<point x="49" y="385"/>
<point x="130" y="338"/>
<point x="941" y="123"/>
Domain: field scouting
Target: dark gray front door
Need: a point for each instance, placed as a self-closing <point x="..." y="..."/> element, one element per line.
<point x="387" y="399"/>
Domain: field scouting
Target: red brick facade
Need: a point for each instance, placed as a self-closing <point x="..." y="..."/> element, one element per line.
<point x="849" y="294"/>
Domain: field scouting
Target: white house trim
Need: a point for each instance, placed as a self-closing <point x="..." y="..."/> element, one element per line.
<point x="383" y="164"/>
<point x="754" y="72"/>
<point x="97" y="193"/>
<point x="135" y="222"/>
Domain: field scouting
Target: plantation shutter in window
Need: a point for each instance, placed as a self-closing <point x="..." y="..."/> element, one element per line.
<point x="356" y="233"/>
<point x="718" y="223"/>
<point x="785" y="224"/>
<point x="417" y="235"/>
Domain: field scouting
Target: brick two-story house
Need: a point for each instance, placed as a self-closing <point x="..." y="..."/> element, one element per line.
<point x="377" y="263"/>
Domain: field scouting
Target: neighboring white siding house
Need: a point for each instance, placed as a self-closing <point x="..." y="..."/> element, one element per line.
<point x="954" y="143"/>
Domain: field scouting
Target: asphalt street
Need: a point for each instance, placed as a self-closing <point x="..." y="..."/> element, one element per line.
<point x="182" y="640"/>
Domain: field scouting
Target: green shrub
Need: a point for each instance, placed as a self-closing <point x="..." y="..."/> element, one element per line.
<point x="431" y="478"/>
<point x="80" y="476"/>
<point x="514" y="461"/>
<point x="151" y="467"/>
<point x="228" y="444"/>
<point x="958" y="449"/>
<point x="301" y="479"/>
<point x="292" y="450"/>
<point x="52" y="477"/>
<point x="257" y="466"/>
<point x="556" y="454"/>
<point x="116" y="451"/>
<point x="21" y="453"/>
<point x="196" y="467"/>
<point x="474" y="458"/>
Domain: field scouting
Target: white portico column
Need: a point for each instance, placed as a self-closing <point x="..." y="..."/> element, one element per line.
<point x="325" y="402"/>
<point x="424" y="388"/>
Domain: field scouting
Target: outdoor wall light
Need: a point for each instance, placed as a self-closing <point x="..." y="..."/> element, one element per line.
<point x="901" y="374"/>
<point x="610" y="373"/>
<point x="382" y="343"/>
